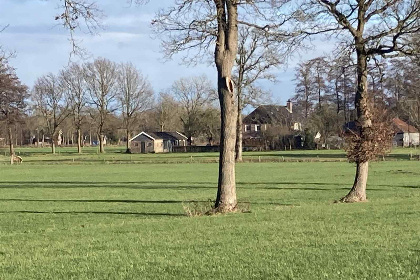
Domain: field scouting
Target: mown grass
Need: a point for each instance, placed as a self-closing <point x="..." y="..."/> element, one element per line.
<point x="115" y="154"/>
<point x="112" y="221"/>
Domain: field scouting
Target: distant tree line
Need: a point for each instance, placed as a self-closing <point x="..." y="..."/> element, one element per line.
<point x="326" y="86"/>
<point x="102" y="101"/>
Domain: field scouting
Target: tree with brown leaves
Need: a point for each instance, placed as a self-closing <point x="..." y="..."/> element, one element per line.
<point x="12" y="99"/>
<point x="370" y="28"/>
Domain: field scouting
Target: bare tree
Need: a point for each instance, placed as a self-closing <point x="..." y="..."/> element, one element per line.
<point x="51" y="102"/>
<point x="374" y="28"/>
<point x="211" y="124"/>
<point x="194" y="95"/>
<point x="196" y="26"/>
<point x="318" y="70"/>
<point x="341" y="80"/>
<point x="73" y="81"/>
<point x="304" y="87"/>
<point x="402" y="85"/>
<point x="167" y="112"/>
<point x="101" y="79"/>
<point x="257" y="56"/>
<point x="135" y="95"/>
<point x="12" y="99"/>
<point x="79" y="15"/>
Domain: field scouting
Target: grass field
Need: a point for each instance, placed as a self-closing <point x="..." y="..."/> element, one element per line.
<point x="91" y="220"/>
<point x="114" y="154"/>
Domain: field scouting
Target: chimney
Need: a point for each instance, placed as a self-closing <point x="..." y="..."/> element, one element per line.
<point x="289" y="106"/>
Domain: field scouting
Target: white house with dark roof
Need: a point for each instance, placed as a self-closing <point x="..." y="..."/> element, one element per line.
<point x="405" y="135"/>
<point x="157" y="142"/>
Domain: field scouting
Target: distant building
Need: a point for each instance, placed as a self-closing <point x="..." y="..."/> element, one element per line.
<point x="405" y="135"/>
<point x="157" y="142"/>
<point x="269" y="121"/>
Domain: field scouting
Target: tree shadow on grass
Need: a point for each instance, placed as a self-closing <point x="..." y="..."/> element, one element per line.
<point x="93" y="212"/>
<point x="151" y="185"/>
<point x="308" y="156"/>
<point x="104" y="200"/>
<point x="131" y="201"/>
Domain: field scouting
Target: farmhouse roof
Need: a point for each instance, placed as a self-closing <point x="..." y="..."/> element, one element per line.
<point x="160" y="135"/>
<point x="403" y="127"/>
<point x="267" y="114"/>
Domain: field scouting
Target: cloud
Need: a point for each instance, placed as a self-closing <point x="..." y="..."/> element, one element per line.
<point x="43" y="47"/>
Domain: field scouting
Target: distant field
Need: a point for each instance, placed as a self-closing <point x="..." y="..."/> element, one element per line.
<point x="126" y="221"/>
<point x="90" y="155"/>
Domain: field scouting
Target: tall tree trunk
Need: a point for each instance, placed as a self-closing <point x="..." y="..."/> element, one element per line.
<point x="319" y="90"/>
<point x="364" y="118"/>
<point x="225" y="53"/>
<point x="238" y="146"/>
<point x="128" y="150"/>
<point x="79" y="141"/>
<point x="54" y="138"/>
<point x="16" y="136"/>
<point x="226" y="193"/>
<point x="101" y="143"/>
<point x="11" y="148"/>
<point x="337" y="96"/>
<point x="306" y="103"/>
<point x="358" y="191"/>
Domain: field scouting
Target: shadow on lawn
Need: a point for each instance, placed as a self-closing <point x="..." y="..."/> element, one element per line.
<point x="129" y="201"/>
<point x="93" y="212"/>
<point x="304" y="155"/>
<point x="150" y="185"/>
<point x="103" y="200"/>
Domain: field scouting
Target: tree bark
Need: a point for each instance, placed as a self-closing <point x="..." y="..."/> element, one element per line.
<point x="238" y="146"/>
<point x="225" y="54"/>
<point x="79" y="141"/>
<point x="101" y="143"/>
<point x="128" y="150"/>
<point x="364" y="118"/>
<point x="358" y="191"/>
<point x="226" y="194"/>
<point x="11" y="148"/>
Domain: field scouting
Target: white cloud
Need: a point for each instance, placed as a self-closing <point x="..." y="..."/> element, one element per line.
<point x="43" y="47"/>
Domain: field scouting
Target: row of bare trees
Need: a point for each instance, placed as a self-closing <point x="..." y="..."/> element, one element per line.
<point x="97" y="89"/>
<point x="105" y="97"/>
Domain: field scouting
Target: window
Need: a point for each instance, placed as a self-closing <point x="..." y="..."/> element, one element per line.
<point x="257" y="127"/>
<point x="149" y="144"/>
<point x="247" y="127"/>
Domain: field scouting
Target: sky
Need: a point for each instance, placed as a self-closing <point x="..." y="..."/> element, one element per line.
<point x="42" y="46"/>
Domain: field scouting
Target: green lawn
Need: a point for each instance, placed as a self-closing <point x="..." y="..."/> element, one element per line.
<point x="126" y="221"/>
<point x="115" y="154"/>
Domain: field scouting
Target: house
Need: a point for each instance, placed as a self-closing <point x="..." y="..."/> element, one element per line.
<point x="405" y="135"/>
<point x="270" y="121"/>
<point x="157" y="142"/>
<point x="265" y="115"/>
